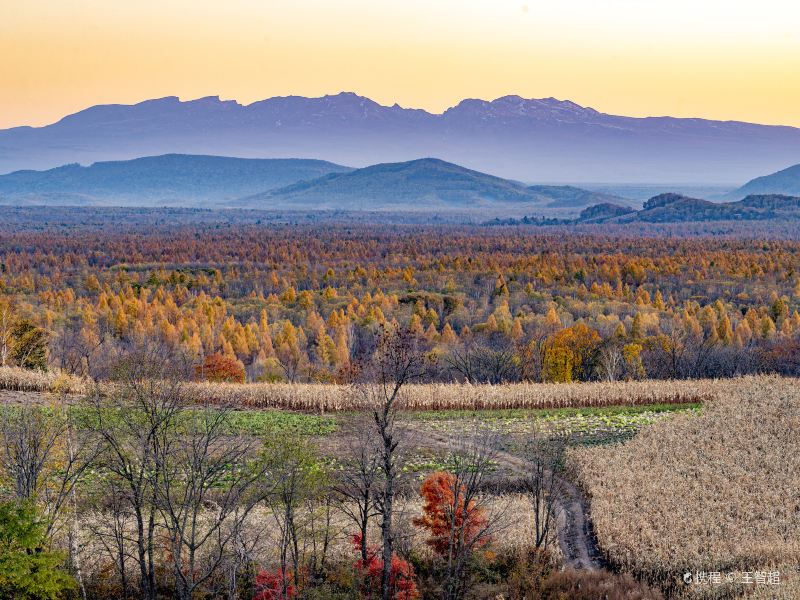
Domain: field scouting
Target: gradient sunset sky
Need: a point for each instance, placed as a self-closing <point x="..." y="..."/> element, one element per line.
<point x="722" y="59"/>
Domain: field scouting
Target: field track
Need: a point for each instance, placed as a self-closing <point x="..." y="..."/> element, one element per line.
<point x="575" y="534"/>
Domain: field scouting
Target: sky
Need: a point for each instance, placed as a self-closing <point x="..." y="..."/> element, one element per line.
<point x="720" y="59"/>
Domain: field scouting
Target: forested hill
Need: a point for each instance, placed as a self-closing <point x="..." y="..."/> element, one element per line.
<point x="423" y="184"/>
<point x="179" y="179"/>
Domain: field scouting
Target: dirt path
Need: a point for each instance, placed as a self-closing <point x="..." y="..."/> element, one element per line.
<point x="575" y="535"/>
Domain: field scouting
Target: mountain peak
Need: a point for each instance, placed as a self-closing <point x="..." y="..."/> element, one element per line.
<point x="150" y="102"/>
<point x="350" y="95"/>
<point x="514" y="106"/>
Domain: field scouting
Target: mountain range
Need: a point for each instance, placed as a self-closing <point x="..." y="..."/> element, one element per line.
<point x="426" y="184"/>
<point x="522" y="139"/>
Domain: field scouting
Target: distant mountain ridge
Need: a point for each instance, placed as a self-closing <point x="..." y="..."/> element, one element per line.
<point x="513" y="137"/>
<point x="169" y="179"/>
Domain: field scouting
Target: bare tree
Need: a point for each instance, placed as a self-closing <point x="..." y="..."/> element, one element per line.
<point x="246" y="538"/>
<point x="463" y="359"/>
<point x="39" y="459"/>
<point x="543" y="483"/>
<point x="176" y="467"/>
<point x="112" y="532"/>
<point x="284" y="504"/>
<point x="128" y="418"/>
<point x="356" y="484"/>
<point x="319" y="532"/>
<point x="74" y="350"/>
<point x="206" y="483"/>
<point x="611" y="362"/>
<point x="493" y="361"/>
<point x="303" y="511"/>
<point x="398" y="360"/>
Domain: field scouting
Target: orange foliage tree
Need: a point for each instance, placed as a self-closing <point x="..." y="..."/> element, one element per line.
<point x="569" y="353"/>
<point x="221" y="368"/>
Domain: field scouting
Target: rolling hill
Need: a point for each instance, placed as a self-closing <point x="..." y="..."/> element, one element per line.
<point x="420" y="185"/>
<point x="173" y="179"/>
<point x="525" y="139"/>
<point x="785" y="182"/>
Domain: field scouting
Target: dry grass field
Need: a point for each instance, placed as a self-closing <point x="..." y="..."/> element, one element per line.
<point x="714" y="492"/>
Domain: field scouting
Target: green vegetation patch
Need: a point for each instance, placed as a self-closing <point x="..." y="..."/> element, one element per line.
<point x="583" y="426"/>
<point x="516" y="414"/>
<point x="264" y="422"/>
<point x="243" y="422"/>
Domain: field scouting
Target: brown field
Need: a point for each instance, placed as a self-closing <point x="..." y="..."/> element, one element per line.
<point x="711" y="492"/>
<point x="453" y="396"/>
<point x="321" y="398"/>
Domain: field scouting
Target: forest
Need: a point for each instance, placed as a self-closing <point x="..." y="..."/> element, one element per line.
<point x="304" y="303"/>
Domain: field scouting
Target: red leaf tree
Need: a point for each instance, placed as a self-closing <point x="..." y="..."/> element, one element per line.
<point x="446" y="515"/>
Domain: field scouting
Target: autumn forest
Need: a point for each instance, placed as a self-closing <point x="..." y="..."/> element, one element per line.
<point x="305" y="303"/>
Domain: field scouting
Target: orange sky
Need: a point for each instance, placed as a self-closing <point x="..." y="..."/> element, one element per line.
<point x="710" y="58"/>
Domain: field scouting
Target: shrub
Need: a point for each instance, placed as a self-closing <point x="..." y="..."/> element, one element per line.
<point x="401" y="579"/>
<point x="529" y="572"/>
<point x="591" y="585"/>
<point x="27" y="570"/>
<point x="274" y="585"/>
